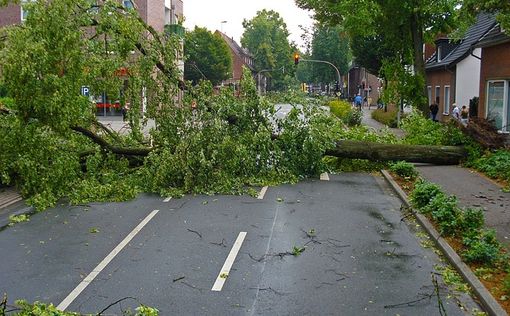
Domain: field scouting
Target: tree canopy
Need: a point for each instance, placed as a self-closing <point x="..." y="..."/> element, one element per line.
<point x="405" y="25"/>
<point x="207" y="57"/>
<point x="266" y="37"/>
<point x="53" y="146"/>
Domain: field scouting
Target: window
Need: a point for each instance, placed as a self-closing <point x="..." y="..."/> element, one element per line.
<point x="438" y="95"/>
<point x="128" y="4"/>
<point x="498" y="107"/>
<point x="446" y="109"/>
<point x="429" y="94"/>
<point x="24" y="12"/>
<point x="439" y="54"/>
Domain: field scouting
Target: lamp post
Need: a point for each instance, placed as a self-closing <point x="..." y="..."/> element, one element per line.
<point x="327" y="62"/>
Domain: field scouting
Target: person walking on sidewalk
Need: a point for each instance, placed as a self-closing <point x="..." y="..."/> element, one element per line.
<point x="434" y="108"/>
<point x="464" y="115"/>
<point x="456" y="112"/>
<point x="358" y="100"/>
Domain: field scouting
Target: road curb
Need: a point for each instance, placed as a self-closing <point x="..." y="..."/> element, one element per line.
<point x="488" y="302"/>
<point x="4" y="218"/>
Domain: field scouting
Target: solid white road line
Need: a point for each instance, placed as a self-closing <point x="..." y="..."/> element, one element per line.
<point x="325" y="176"/>
<point x="225" y="270"/>
<point x="92" y="275"/>
<point x="167" y="199"/>
<point x="262" y="193"/>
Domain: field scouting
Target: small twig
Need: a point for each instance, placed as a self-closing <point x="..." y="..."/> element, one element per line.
<point x="255" y="259"/>
<point x="115" y="303"/>
<point x="178" y="279"/>
<point x="222" y="243"/>
<point x="190" y="285"/>
<point x="442" y="310"/>
<point x="194" y="231"/>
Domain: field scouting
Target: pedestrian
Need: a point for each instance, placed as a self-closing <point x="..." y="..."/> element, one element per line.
<point x="464" y="115"/>
<point x="125" y="109"/>
<point x="456" y="112"/>
<point x="358" y="100"/>
<point x="434" y="108"/>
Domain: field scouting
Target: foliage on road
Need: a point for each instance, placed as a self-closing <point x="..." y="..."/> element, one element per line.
<point x="53" y="147"/>
<point x="23" y="308"/>
<point x="207" y="57"/>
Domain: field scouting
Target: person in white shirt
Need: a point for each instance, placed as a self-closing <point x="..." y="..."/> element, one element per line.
<point x="456" y="112"/>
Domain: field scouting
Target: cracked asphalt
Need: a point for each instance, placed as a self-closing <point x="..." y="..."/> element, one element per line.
<point x="335" y="247"/>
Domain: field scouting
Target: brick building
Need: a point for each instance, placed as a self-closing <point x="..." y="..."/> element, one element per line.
<point x="240" y="57"/>
<point x="162" y="15"/>
<point x="156" y="13"/>
<point x="453" y="70"/>
<point x="494" y="101"/>
<point x="359" y="80"/>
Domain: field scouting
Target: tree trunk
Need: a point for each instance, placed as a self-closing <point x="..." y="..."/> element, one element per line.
<point x="419" y="63"/>
<point x="439" y="155"/>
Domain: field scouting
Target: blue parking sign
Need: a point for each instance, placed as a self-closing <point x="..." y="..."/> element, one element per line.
<point x="85" y="91"/>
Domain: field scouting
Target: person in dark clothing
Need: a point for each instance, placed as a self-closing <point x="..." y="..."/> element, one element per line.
<point x="434" y="108"/>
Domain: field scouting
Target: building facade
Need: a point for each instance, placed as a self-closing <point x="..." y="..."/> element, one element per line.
<point x="453" y="70"/>
<point x="362" y="82"/>
<point x="240" y="57"/>
<point x="494" y="103"/>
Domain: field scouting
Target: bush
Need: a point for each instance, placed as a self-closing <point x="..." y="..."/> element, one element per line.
<point x="447" y="214"/>
<point x="6" y="102"/>
<point x="423" y="193"/>
<point x="422" y="131"/>
<point x="482" y="248"/>
<point x="345" y="112"/>
<point x="495" y="165"/>
<point x="472" y="220"/>
<point x="506" y="284"/>
<point x="388" y="118"/>
<point x="404" y="169"/>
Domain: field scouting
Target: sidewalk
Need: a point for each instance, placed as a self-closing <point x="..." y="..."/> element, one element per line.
<point x="471" y="188"/>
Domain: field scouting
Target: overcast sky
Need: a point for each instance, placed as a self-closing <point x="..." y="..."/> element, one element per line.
<point x="210" y="14"/>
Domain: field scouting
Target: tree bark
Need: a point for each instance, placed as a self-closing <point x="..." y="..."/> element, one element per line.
<point x="439" y="155"/>
<point x="419" y="63"/>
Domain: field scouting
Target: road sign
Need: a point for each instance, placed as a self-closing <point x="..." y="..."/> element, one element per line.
<point x="85" y="91"/>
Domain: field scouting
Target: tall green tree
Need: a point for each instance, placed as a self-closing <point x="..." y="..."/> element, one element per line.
<point x="207" y="57"/>
<point x="266" y="37"/>
<point x="470" y="8"/>
<point x="405" y="23"/>
<point x="330" y="44"/>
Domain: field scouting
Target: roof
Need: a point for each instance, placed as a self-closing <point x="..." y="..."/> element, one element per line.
<point x="484" y="23"/>
<point x="238" y="50"/>
<point x="495" y="36"/>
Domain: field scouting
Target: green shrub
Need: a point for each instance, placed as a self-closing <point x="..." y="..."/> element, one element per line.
<point x="423" y="193"/>
<point x="388" y="118"/>
<point x="422" y="131"/>
<point x="435" y="203"/>
<point x="447" y="214"/>
<point x="472" y="220"/>
<point x="340" y="108"/>
<point x="482" y="248"/>
<point x="404" y="169"/>
<point x="506" y="284"/>
<point x="496" y="165"/>
<point x="345" y="112"/>
<point x="6" y="102"/>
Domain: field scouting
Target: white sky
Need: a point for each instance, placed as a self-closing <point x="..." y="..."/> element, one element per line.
<point x="210" y="14"/>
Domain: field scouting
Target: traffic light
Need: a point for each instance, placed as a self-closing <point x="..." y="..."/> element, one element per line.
<point x="296" y="59"/>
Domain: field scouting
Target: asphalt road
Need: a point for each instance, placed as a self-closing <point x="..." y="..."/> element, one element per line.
<point x="356" y="256"/>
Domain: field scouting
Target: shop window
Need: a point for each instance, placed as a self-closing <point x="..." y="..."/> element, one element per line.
<point x="498" y="108"/>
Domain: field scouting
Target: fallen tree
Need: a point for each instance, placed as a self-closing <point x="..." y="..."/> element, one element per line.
<point x="439" y="155"/>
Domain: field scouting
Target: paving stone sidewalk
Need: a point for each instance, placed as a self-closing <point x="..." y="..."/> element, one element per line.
<point x="470" y="187"/>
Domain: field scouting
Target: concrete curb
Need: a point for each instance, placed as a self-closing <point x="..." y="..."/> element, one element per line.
<point x="4" y="218"/>
<point x="487" y="301"/>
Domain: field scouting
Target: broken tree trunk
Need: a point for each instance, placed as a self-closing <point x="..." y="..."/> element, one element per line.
<point x="439" y="155"/>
